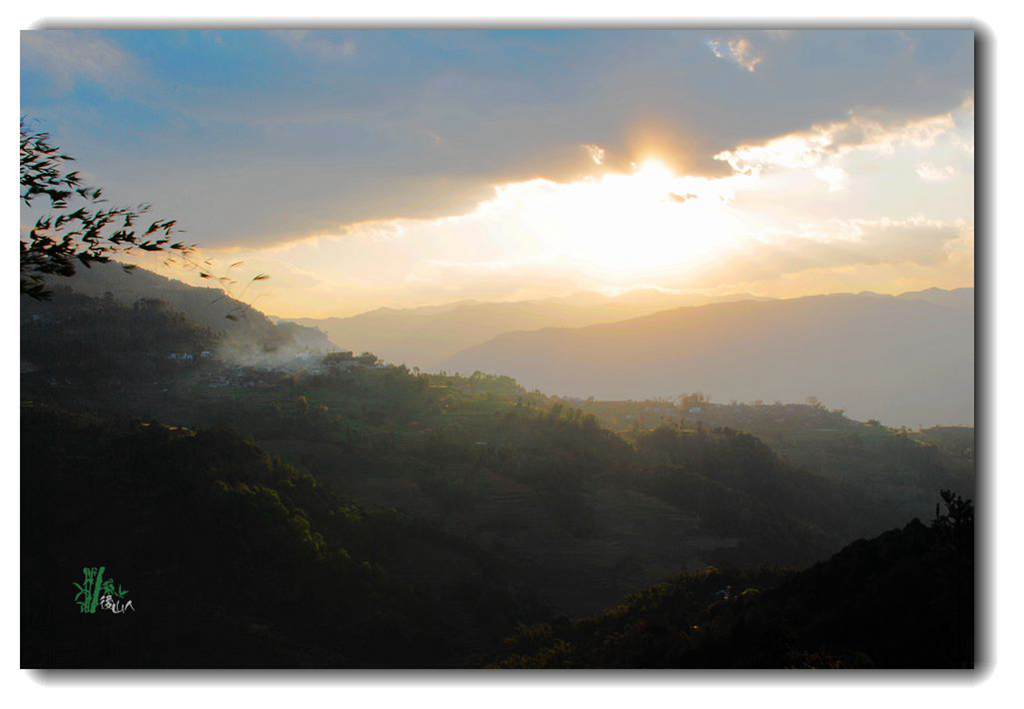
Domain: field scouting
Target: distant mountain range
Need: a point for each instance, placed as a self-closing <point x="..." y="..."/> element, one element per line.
<point x="425" y="337"/>
<point x="904" y="360"/>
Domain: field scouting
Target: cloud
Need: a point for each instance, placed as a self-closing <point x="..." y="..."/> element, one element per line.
<point x="961" y="249"/>
<point x="739" y="51"/>
<point x="318" y="44"/>
<point x="965" y="119"/>
<point x="312" y="131"/>
<point x="930" y="173"/>
<point x="834" y="177"/>
<point x="824" y="143"/>
<point x="596" y="153"/>
<point x="839" y="244"/>
<point x="68" y="57"/>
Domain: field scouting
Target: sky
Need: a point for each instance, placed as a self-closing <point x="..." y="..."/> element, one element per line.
<point x="374" y="168"/>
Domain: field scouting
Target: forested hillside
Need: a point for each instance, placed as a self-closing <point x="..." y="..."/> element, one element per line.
<point x="339" y="511"/>
<point x="903" y="600"/>
<point x="243" y="332"/>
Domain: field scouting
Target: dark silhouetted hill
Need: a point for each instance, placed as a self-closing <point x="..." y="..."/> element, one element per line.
<point x="902" y="600"/>
<point x="242" y="332"/>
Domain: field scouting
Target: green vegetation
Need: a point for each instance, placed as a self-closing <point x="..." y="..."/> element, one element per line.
<point x="902" y="600"/>
<point x="339" y="511"/>
<point x="234" y="558"/>
<point x="895" y="468"/>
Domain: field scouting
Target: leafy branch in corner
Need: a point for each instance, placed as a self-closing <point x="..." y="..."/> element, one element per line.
<point x="79" y="228"/>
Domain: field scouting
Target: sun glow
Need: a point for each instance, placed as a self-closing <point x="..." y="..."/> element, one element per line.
<point x="625" y="226"/>
<point x="778" y="225"/>
<point x="611" y="231"/>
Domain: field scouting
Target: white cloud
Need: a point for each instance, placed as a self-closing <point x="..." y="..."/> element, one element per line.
<point x="836" y="245"/>
<point x="965" y="120"/>
<point x="596" y="153"/>
<point x="834" y="177"/>
<point x="739" y="51"/>
<point x="316" y="43"/>
<point x="68" y="57"/>
<point x="823" y="144"/>
<point x="961" y="249"/>
<point x="930" y="173"/>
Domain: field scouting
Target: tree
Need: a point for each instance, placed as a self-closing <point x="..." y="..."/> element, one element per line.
<point x="78" y="228"/>
<point x="959" y="515"/>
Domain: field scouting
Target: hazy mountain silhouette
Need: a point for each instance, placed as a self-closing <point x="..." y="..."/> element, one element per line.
<point x="904" y="360"/>
<point x="960" y="298"/>
<point x="425" y="336"/>
<point x="244" y="332"/>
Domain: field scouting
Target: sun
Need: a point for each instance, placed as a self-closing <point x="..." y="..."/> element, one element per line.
<point x="645" y="226"/>
<point x="649" y="221"/>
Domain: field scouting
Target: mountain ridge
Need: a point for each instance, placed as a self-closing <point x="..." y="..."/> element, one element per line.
<point x="244" y="332"/>
<point x="906" y="348"/>
<point x="425" y="336"/>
